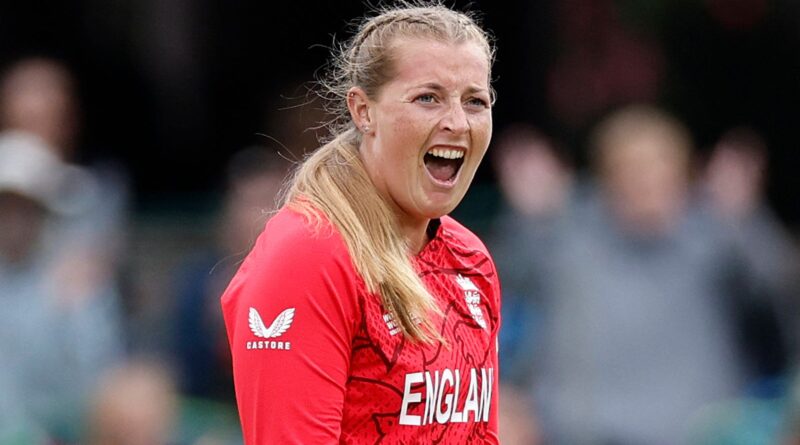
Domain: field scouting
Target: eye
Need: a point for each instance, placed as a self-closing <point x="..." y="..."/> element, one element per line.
<point x="477" y="102"/>
<point x="426" y="98"/>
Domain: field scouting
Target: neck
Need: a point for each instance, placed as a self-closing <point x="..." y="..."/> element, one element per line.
<point x="416" y="232"/>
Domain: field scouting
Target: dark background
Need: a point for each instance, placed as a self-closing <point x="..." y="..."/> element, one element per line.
<point x="171" y="88"/>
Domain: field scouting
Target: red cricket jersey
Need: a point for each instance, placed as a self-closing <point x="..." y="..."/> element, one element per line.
<point x="318" y="360"/>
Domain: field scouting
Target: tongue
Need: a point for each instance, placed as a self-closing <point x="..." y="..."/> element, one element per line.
<point x="441" y="169"/>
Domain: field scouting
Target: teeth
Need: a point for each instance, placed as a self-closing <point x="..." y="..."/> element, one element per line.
<point x="446" y="153"/>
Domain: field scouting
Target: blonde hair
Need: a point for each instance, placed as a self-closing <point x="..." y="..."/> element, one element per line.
<point x="334" y="181"/>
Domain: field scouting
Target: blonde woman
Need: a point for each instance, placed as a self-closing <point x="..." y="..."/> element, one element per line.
<point x="364" y="313"/>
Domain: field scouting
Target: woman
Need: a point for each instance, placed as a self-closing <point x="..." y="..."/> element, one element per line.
<point x="364" y="313"/>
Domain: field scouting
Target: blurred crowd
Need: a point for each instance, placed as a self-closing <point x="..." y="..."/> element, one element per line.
<point x="650" y="298"/>
<point x="74" y="367"/>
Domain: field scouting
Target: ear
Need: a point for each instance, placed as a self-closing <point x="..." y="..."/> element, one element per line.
<point x="359" y="105"/>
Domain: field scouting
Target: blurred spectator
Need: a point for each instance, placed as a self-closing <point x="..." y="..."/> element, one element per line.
<point x="56" y="335"/>
<point x="518" y="424"/>
<point x="640" y="292"/>
<point x="81" y="242"/>
<point x="736" y="174"/>
<point x="735" y="181"/>
<point x="254" y="178"/>
<point x="533" y="176"/>
<point x="137" y="403"/>
<point x="536" y="185"/>
<point x="38" y="96"/>
<point x="134" y="404"/>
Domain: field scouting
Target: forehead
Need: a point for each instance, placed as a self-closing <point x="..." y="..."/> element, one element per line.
<point x="428" y="60"/>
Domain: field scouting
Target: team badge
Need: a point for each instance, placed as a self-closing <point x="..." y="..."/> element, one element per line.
<point x="472" y="296"/>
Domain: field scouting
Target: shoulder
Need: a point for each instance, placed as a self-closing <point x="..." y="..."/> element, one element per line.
<point x="456" y="235"/>
<point x="293" y="253"/>
<point x="290" y="239"/>
<point x="291" y="226"/>
<point x="467" y="249"/>
<point x="471" y="256"/>
<point x="297" y="264"/>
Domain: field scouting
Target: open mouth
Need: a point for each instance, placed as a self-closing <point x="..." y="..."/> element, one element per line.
<point x="443" y="164"/>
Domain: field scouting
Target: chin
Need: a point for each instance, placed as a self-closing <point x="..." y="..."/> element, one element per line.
<point x="439" y="211"/>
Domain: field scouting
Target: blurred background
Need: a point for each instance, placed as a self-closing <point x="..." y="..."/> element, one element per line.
<point x="639" y="197"/>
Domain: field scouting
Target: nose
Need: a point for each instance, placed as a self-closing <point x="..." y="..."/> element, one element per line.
<point x="455" y="119"/>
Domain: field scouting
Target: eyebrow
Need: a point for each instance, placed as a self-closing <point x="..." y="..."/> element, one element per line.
<point x="439" y="88"/>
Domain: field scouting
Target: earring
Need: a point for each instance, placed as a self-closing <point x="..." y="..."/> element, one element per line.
<point x="366" y="128"/>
